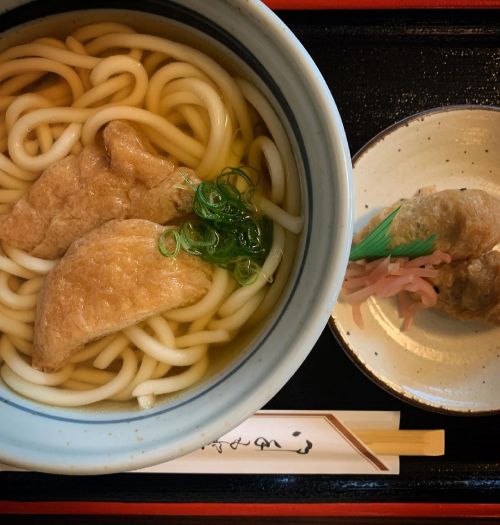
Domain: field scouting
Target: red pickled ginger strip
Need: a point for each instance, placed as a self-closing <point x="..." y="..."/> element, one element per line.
<point x="389" y="277"/>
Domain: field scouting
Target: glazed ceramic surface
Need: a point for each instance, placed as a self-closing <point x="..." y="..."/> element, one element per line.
<point x="98" y="439"/>
<point x="440" y="363"/>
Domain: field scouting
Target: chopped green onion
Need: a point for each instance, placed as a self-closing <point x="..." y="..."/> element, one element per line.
<point x="163" y="237"/>
<point x="228" y="230"/>
<point x="246" y="271"/>
<point x="376" y="244"/>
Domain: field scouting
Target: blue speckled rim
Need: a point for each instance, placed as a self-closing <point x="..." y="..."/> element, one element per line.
<point x="181" y="14"/>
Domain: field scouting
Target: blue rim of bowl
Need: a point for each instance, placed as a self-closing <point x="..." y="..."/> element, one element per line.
<point x="332" y="323"/>
<point x="171" y="10"/>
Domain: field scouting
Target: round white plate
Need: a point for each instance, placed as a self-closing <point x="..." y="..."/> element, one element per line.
<point x="440" y="363"/>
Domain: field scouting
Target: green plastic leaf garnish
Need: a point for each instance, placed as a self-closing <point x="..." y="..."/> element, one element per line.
<point x="376" y="244"/>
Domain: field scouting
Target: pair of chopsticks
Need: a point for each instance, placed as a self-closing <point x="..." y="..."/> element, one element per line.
<point x="394" y="442"/>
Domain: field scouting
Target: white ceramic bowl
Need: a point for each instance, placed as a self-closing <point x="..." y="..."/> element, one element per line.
<point x="96" y="440"/>
<point x="440" y="363"/>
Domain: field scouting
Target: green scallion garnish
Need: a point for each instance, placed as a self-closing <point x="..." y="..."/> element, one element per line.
<point x="169" y="232"/>
<point x="228" y="230"/>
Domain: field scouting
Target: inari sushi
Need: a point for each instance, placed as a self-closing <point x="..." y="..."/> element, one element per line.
<point x="466" y="221"/>
<point x="460" y="277"/>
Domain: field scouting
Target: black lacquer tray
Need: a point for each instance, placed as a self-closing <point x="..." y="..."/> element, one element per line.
<point x="381" y="66"/>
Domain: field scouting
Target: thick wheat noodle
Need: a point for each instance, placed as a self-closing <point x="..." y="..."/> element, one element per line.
<point x="70" y="398"/>
<point x="5" y="102"/>
<point x="280" y="280"/>
<point x="19" y="82"/>
<point x="92" y="350"/>
<point x="12" y="299"/>
<point x="64" y="56"/>
<point x="175" y="118"/>
<point x="223" y="159"/>
<point x="161" y="352"/>
<point x="24" y="316"/>
<point x="202" y="338"/>
<point x="173" y="383"/>
<point x="31" y="147"/>
<point x="26" y="371"/>
<point x="206" y="303"/>
<point x="11" y="326"/>
<point x="8" y="196"/>
<point x="35" y="264"/>
<point x="177" y="137"/>
<point x="146" y="402"/>
<point x="92" y="376"/>
<point x="118" y="64"/>
<point x="152" y="61"/>
<point x="170" y="101"/>
<point x="73" y="384"/>
<point x="185" y="104"/>
<point x="77" y="148"/>
<point x="61" y="147"/>
<point x="21" y="345"/>
<point x="168" y="147"/>
<point x="9" y="266"/>
<point x="161" y="370"/>
<point x="59" y="93"/>
<point x="195" y="121"/>
<point x="74" y="45"/>
<point x="28" y="101"/>
<point x="102" y="91"/>
<point x="292" y="202"/>
<point x="218" y="122"/>
<point x="236" y="152"/>
<point x="145" y="372"/>
<point x="91" y="31"/>
<point x="264" y="146"/>
<point x="111" y="351"/>
<point x="44" y="137"/>
<point x="181" y="52"/>
<point x="14" y="67"/>
<point x="121" y="94"/>
<point x="242" y="295"/>
<point x="172" y="71"/>
<point x="293" y="223"/>
<point x="49" y="41"/>
<point x="31" y="286"/>
<point x="9" y="167"/>
<point x="162" y="330"/>
<point x="201" y="323"/>
<point x="240" y="317"/>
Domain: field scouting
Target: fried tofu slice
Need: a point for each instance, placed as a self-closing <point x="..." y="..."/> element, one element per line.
<point x="466" y="221"/>
<point x="117" y="180"/>
<point x="471" y="289"/>
<point x="110" y="279"/>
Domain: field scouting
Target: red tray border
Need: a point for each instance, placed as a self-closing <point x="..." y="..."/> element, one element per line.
<point x="410" y="510"/>
<point x="381" y="4"/>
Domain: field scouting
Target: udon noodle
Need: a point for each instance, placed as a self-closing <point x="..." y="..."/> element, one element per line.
<point x="55" y="97"/>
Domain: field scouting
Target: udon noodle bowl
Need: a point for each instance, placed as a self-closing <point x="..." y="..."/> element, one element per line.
<point x="191" y="111"/>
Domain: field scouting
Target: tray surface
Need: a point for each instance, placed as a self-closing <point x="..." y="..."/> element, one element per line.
<point x="381" y="67"/>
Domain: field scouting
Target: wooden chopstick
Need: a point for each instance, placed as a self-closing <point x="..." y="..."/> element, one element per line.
<point x="396" y="442"/>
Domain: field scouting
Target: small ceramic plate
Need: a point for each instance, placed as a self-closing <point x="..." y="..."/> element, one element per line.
<point x="440" y="363"/>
